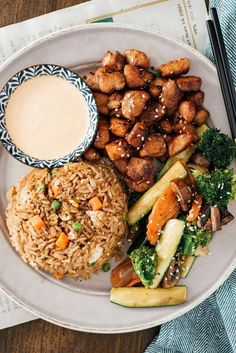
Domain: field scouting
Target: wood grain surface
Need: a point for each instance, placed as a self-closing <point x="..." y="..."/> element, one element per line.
<point x="40" y="336"/>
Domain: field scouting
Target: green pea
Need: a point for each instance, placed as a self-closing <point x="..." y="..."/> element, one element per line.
<point x="77" y="226"/>
<point x="91" y="264"/>
<point x="56" y="205"/>
<point x="106" y="267"/>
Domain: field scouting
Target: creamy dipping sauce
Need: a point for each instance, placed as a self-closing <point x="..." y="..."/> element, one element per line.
<point x="47" y="117"/>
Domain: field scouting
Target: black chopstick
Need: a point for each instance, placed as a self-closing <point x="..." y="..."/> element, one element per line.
<point x="223" y="67"/>
<point x="223" y="53"/>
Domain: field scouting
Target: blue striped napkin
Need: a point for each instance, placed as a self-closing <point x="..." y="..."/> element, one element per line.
<point x="211" y="326"/>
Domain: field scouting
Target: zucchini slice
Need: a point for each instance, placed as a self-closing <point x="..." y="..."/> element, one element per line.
<point x="166" y="247"/>
<point x="186" y="265"/>
<point x="139" y="297"/>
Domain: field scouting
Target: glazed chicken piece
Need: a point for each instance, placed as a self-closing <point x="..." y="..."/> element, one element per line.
<point x="133" y="76"/>
<point x="114" y="100"/>
<point x="201" y="116"/>
<point x="154" y="112"/>
<point x="139" y="187"/>
<point x="165" y="126"/>
<point x="113" y="61"/>
<point x="109" y="82"/>
<point x="154" y="146"/>
<point x="134" y="103"/>
<point x="138" y="58"/>
<point x="137" y="135"/>
<point x="118" y="149"/>
<point x="189" y="83"/>
<point x="140" y="169"/>
<point x="147" y="76"/>
<point x="175" y="67"/>
<point x="103" y="134"/>
<point x="119" y="127"/>
<point x="187" y="110"/>
<point x="117" y="112"/>
<point x="101" y="102"/>
<point x="121" y="165"/>
<point x="91" y="81"/>
<point x="155" y="87"/>
<point x="179" y="143"/>
<point x="91" y="154"/>
<point x="197" y="98"/>
<point x="171" y="96"/>
<point x="182" y="127"/>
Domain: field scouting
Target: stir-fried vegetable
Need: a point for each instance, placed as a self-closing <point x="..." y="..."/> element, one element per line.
<point x="192" y="238"/>
<point x="195" y="209"/>
<point x="218" y="148"/>
<point x="166" y="247"/>
<point x="218" y="187"/>
<point x="144" y="260"/>
<point x="145" y="297"/>
<point x="124" y="274"/>
<point x="165" y="208"/>
<point x="146" y="202"/>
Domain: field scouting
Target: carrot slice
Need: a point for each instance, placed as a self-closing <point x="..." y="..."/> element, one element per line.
<point x="135" y="281"/>
<point x="37" y="222"/>
<point x="195" y="209"/>
<point x="165" y="208"/>
<point x="62" y="241"/>
<point x="58" y="275"/>
<point x="95" y="203"/>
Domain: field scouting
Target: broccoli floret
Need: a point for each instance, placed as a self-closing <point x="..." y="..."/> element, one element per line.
<point x="192" y="238"/>
<point x="217" y="187"/>
<point x="218" y="148"/>
<point x="144" y="260"/>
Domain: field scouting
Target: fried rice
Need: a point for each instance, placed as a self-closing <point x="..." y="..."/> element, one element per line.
<point x="73" y="185"/>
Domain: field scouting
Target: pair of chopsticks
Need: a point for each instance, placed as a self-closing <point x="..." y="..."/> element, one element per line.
<point x="223" y="69"/>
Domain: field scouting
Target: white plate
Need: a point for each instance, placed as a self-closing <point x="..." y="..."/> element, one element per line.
<point x="85" y="306"/>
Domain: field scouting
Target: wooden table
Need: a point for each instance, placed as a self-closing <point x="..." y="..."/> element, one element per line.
<point x="40" y="336"/>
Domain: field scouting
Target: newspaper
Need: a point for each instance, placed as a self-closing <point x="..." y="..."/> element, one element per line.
<point x="182" y="19"/>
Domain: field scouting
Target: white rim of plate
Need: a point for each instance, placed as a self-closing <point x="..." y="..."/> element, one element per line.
<point x="195" y="302"/>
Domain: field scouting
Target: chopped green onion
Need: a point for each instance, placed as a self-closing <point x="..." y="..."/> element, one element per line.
<point x="106" y="267"/>
<point x="56" y="205"/>
<point x="77" y="226"/>
<point x="125" y="217"/>
<point x="40" y="187"/>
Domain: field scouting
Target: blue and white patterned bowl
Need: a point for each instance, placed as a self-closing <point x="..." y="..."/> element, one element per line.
<point x="50" y="70"/>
